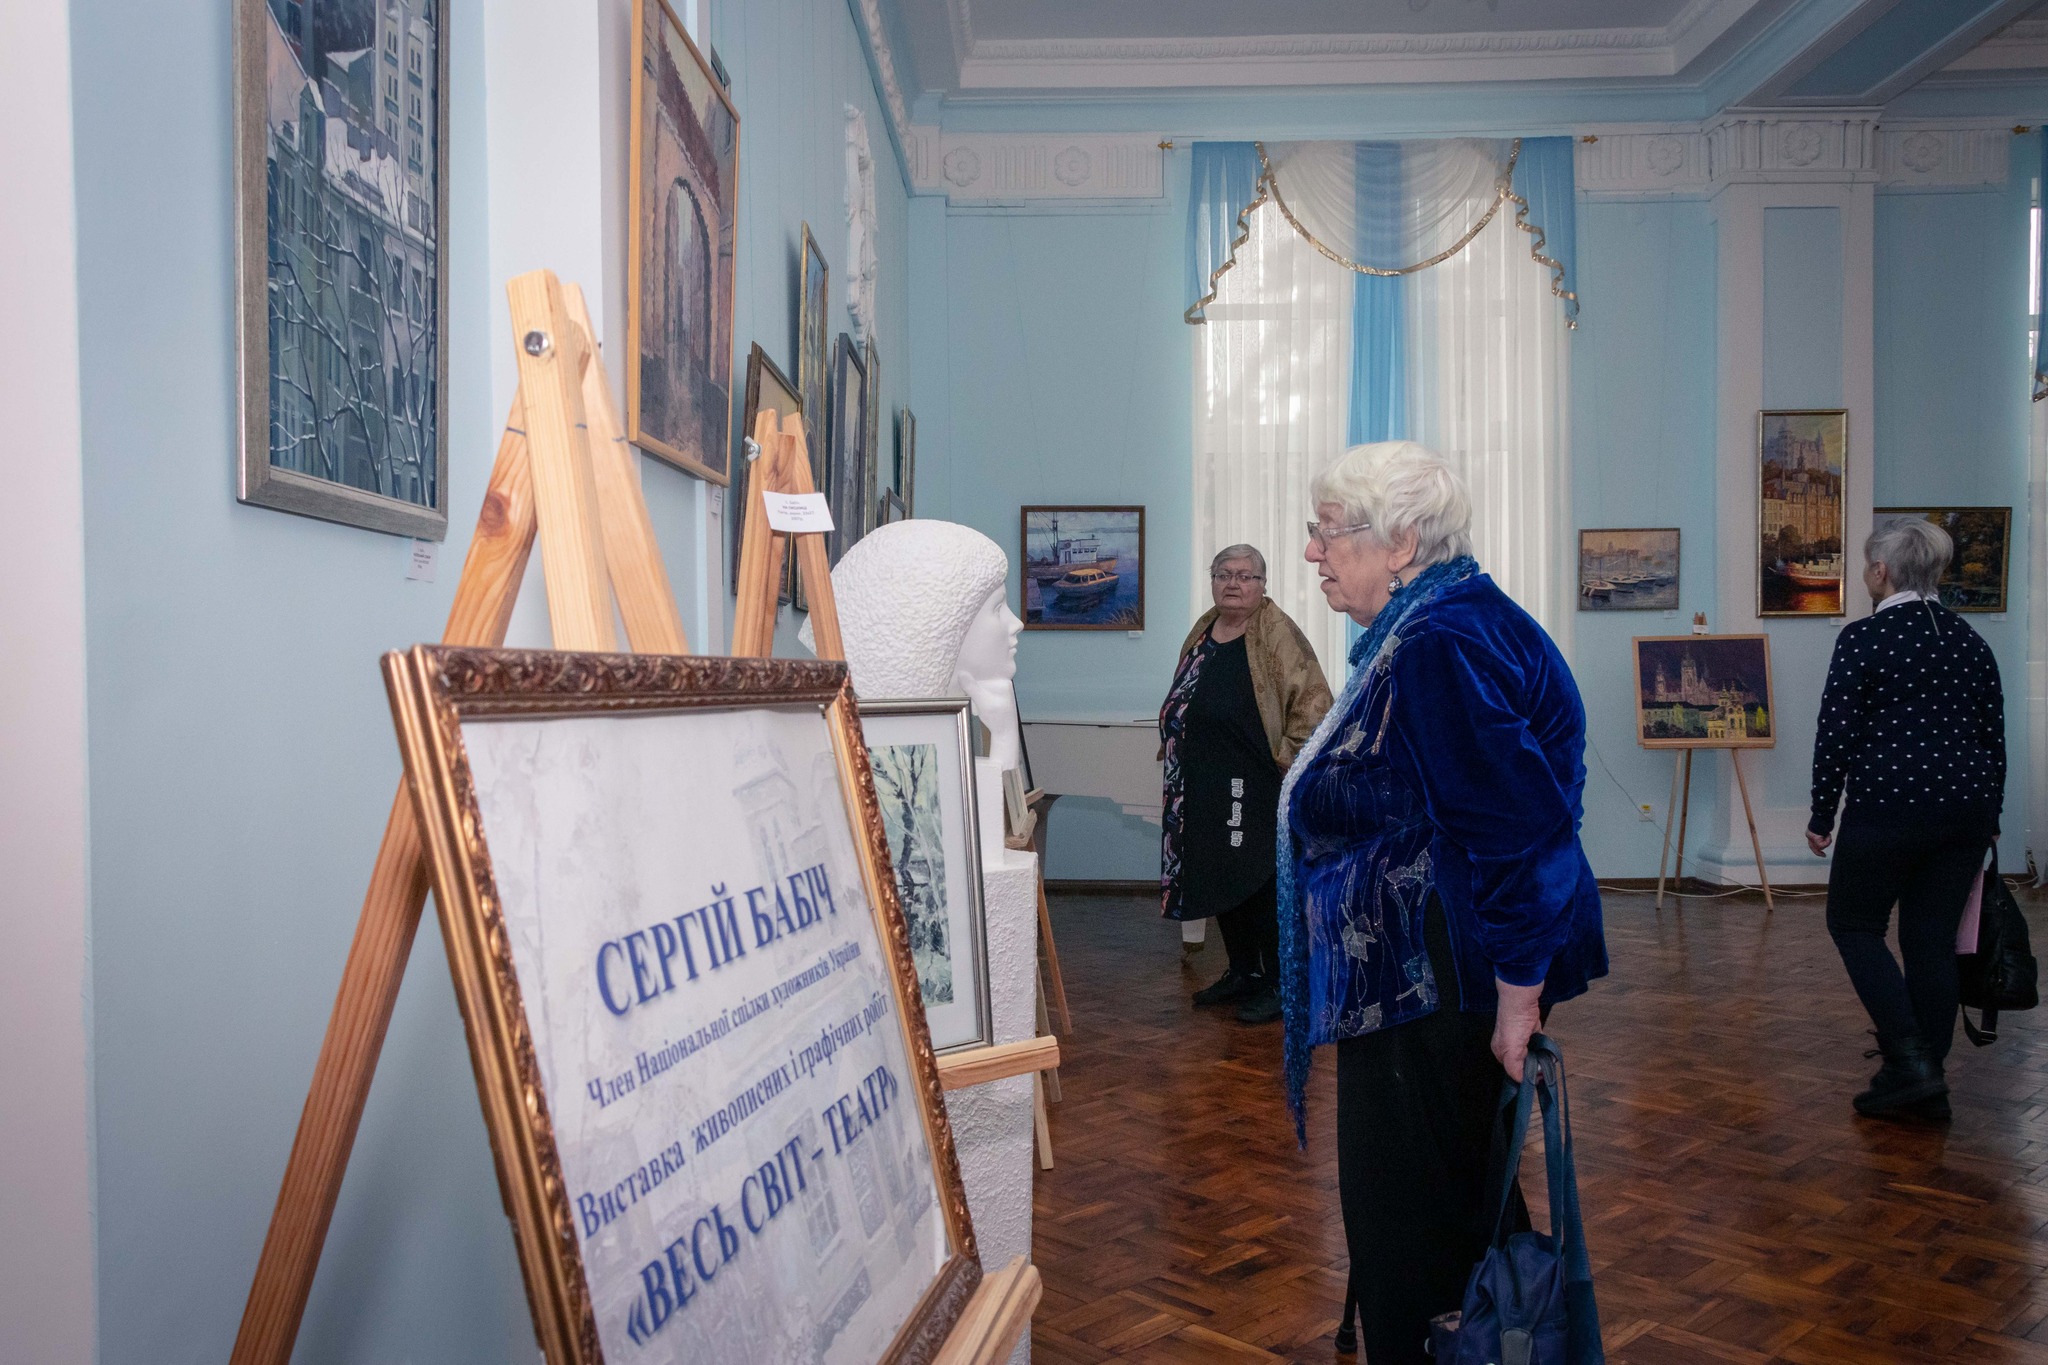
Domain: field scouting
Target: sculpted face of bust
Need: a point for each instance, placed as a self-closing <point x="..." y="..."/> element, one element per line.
<point x="924" y="612"/>
<point x="987" y="663"/>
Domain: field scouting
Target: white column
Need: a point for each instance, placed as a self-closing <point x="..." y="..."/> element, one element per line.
<point x="1761" y="165"/>
<point x="48" y="1307"/>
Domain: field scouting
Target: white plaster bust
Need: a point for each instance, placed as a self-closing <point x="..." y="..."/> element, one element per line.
<point x="924" y="612"/>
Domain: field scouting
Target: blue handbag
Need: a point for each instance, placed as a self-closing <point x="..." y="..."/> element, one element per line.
<point x="1530" y="1299"/>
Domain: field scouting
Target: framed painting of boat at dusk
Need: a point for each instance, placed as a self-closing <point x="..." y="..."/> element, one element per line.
<point x="1802" y="470"/>
<point x="1628" y="570"/>
<point x="1975" y="579"/>
<point x="1084" y="568"/>
<point x="1704" y="692"/>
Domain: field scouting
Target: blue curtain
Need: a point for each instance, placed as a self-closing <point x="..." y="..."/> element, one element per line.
<point x="1379" y="350"/>
<point x="1543" y="178"/>
<point x="1226" y="180"/>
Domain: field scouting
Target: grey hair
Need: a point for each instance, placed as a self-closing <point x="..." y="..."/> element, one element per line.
<point x="1230" y="552"/>
<point x="1915" y="552"/>
<point x="1398" y="487"/>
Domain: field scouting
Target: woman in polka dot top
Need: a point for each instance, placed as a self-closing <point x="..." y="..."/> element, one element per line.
<point x="1912" y="721"/>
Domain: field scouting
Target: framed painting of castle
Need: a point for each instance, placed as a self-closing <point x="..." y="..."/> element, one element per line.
<point x="1802" y="466"/>
<point x="685" y="190"/>
<point x="1704" y="692"/>
<point x="341" y="161"/>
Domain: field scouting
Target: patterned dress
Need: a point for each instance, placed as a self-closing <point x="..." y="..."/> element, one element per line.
<point x="1173" y="718"/>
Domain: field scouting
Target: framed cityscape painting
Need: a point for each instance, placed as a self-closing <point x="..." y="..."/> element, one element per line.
<point x="768" y="389"/>
<point x="1084" y="568"/>
<point x="679" y="289"/>
<point x="1802" y="463"/>
<point x="1976" y="576"/>
<point x="341" y="188"/>
<point x="1704" y="692"/>
<point x="1628" y="570"/>
<point x="663" y="1082"/>
<point x="923" y="760"/>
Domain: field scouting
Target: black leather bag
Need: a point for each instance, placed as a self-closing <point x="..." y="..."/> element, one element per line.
<point x="2001" y="974"/>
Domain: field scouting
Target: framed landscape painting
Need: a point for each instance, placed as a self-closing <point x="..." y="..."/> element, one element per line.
<point x="691" y="1003"/>
<point x="1084" y="568"/>
<point x="1976" y="577"/>
<point x="1704" y="692"/>
<point x="813" y="352"/>
<point x="685" y="194"/>
<point x="341" y="176"/>
<point x="923" y="760"/>
<point x="1628" y="570"/>
<point x="1802" y="459"/>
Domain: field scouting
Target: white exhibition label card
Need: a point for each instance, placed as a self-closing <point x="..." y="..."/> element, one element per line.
<point x="713" y="1022"/>
<point x="797" y="513"/>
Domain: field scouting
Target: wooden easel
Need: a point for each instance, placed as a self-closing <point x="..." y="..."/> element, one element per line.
<point x="1681" y="808"/>
<point x="565" y="475"/>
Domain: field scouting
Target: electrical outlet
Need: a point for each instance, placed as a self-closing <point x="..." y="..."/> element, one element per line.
<point x="1647" y="813"/>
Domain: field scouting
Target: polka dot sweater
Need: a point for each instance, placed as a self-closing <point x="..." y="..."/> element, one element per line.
<point x="1913" y="721"/>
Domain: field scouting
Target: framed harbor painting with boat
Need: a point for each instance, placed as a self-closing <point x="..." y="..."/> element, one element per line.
<point x="1802" y="461"/>
<point x="1976" y="577"/>
<point x="1704" y="692"/>
<point x="1084" y="568"/>
<point x="1628" y="570"/>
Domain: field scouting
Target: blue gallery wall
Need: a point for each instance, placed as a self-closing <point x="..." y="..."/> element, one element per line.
<point x="1952" y="398"/>
<point x="1052" y="366"/>
<point x="241" y="758"/>
<point x="1643" y="453"/>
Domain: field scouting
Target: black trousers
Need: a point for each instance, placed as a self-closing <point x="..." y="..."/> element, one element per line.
<point x="1419" y="1120"/>
<point x="1927" y="872"/>
<point x="1251" y="934"/>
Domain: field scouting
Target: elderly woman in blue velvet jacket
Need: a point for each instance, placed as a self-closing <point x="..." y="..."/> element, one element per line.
<point x="1434" y="900"/>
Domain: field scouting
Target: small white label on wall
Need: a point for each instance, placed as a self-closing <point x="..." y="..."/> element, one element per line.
<point x="717" y="502"/>
<point x="421" y="563"/>
<point x="798" y="513"/>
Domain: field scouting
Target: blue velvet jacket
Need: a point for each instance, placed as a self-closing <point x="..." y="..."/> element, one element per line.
<point x="1456" y="770"/>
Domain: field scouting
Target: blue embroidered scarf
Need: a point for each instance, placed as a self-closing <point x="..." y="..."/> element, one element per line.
<point x="1369" y="658"/>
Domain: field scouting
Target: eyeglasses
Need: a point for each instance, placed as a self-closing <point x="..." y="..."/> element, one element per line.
<point x="1321" y="534"/>
<point x="1222" y="576"/>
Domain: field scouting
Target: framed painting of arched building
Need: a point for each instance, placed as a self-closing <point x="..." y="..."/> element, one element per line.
<point x="1704" y="692"/>
<point x="685" y="187"/>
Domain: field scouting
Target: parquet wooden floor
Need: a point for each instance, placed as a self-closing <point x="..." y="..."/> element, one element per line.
<point x="1737" y="1210"/>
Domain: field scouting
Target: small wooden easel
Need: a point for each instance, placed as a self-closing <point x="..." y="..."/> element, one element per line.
<point x="1681" y="807"/>
<point x="564" y="474"/>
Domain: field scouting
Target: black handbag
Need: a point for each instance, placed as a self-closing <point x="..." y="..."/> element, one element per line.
<point x="2001" y="974"/>
<point x="1530" y="1298"/>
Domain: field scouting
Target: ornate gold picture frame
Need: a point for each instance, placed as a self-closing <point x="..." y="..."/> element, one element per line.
<point x="696" y="1117"/>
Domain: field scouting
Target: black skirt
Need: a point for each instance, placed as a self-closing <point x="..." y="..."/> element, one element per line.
<point x="1232" y="786"/>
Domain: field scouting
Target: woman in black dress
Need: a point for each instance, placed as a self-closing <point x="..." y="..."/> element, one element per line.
<point x="1247" y="692"/>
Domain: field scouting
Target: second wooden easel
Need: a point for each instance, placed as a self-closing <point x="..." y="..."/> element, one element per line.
<point x="1681" y="807"/>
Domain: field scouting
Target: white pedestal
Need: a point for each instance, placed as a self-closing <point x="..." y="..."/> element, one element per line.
<point x="992" y="1123"/>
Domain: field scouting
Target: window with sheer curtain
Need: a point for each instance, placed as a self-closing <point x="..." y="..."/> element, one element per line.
<point x="1472" y="362"/>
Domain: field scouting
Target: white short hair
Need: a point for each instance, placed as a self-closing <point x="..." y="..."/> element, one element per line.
<point x="1398" y="487"/>
<point x="1915" y="553"/>
<point x="1231" y="552"/>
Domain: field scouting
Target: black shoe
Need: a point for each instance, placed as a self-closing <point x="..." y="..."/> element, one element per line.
<point x="1262" y="1008"/>
<point x="1935" y="1110"/>
<point x="1235" y="985"/>
<point x="1910" y="1075"/>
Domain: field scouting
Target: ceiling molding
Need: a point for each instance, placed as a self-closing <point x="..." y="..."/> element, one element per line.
<point x="2018" y="47"/>
<point x="1695" y="161"/>
<point x="1335" y="58"/>
<point x="997" y="167"/>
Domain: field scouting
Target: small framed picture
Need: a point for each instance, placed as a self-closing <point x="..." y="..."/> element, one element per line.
<point x="1976" y="577"/>
<point x="1704" y="692"/>
<point x="906" y="461"/>
<point x="923" y="761"/>
<point x="846" y="486"/>
<point x="768" y="389"/>
<point x="1628" y="570"/>
<point x="1084" y="568"/>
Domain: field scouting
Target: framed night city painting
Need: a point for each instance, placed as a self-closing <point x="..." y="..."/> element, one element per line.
<point x="691" y="1001"/>
<point x="341" y="185"/>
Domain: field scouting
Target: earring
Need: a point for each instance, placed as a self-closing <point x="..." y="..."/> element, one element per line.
<point x="1395" y="585"/>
